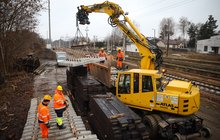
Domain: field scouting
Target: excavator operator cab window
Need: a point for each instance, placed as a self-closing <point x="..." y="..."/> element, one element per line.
<point x="124" y="84"/>
<point x="147" y="85"/>
<point x="158" y="84"/>
<point x="136" y="82"/>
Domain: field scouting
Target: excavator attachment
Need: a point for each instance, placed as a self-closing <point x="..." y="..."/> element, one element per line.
<point x="82" y="16"/>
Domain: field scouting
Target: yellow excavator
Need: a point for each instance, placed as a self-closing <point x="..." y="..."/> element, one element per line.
<point x="167" y="107"/>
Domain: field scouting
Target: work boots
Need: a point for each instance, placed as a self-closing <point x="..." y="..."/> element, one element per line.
<point x="61" y="126"/>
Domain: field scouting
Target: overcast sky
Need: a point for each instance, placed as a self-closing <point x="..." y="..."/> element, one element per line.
<point x="147" y="13"/>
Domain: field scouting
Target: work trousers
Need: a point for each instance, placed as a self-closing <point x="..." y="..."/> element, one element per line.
<point x="119" y="64"/>
<point x="44" y="130"/>
<point x="59" y="113"/>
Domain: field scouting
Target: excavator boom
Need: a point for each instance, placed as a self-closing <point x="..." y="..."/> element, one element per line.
<point x="151" y="58"/>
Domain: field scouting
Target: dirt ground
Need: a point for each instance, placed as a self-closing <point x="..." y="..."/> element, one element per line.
<point x="16" y="94"/>
<point x="210" y="112"/>
<point x="19" y="89"/>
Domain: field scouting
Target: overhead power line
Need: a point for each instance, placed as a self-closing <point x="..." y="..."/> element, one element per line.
<point x="174" y="5"/>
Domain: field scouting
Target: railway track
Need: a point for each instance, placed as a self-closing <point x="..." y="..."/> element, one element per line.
<point x="203" y="83"/>
<point x="202" y="67"/>
<point x="193" y="68"/>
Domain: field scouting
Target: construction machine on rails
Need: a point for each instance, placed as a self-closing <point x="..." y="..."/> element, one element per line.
<point x="166" y="107"/>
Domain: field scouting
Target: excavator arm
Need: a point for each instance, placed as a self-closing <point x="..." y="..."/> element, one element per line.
<point x="151" y="57"/>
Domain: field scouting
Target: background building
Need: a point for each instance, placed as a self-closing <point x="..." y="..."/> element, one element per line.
<point x="211" y="45"/>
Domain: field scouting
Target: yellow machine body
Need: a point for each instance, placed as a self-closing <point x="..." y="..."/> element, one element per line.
<point x="178" y="97"/>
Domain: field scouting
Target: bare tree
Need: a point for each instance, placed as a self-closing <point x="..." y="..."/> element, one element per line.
<point x="167" y="27"/>
<point x="183" y="26"/>
<point x="17" y="20"/>
<point x="18" y="15"/>
<point x="117" y="35"/>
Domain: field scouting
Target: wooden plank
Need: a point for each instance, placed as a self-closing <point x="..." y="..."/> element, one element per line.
<point x="102" y="73"/>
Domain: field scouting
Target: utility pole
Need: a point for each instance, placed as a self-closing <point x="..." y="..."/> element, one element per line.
<point x="59" y="42"/>
<point x="94" y="37"/>
<point x="49" y="21"/>
<point x="168" y="37"/>
<point x="124" y="44"/>
<point x="124" y="40"/>
<point x="112" y="42"/>
<point x="168" y="42"/>
<point x="154" y="36"/>
<point x="108" y="46"/>
<point x="69" y="42"/>
<point x="87" y="38"/>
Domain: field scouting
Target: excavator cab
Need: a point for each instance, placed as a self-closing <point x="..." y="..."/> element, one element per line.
<point x="137" y="88"/>
<point x="148" y="90"/>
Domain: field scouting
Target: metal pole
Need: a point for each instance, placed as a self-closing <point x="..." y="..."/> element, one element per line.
<point x="124" y="41"/>
<point x="87" y="38"/>
<point x="168" y="42"/>
<point x="154" y="36"/>
<point x="59" y="42"/>
<point x="167" y="31"/>
<point x="111" y="42"/>
<point x="124" y="44"/>
<point x="70" y="43"/>
<point x="49" y="22"/>
<point x="94" y="42"/>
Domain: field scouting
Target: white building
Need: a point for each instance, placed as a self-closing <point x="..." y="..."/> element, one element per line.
<point x="211" y="45"/>
<point x="131" y="48"/>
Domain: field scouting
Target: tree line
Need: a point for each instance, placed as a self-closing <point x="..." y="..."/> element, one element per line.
<point x="189" y="32"/>
<point x="194" y="31"/>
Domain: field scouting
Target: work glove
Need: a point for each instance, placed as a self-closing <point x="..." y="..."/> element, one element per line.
<point x="48" y="125"/>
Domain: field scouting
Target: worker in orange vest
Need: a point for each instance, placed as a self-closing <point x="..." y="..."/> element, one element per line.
<point x="44" y="116"/>
<point x="60" y="105"/>
<point x="120" y="58"/>
<point x="102" y="54"/>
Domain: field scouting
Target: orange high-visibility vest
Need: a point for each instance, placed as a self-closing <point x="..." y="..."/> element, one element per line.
<point x="59" y="100"/>
<point x="120" y="55"/>
<point x="43" y="113"/>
